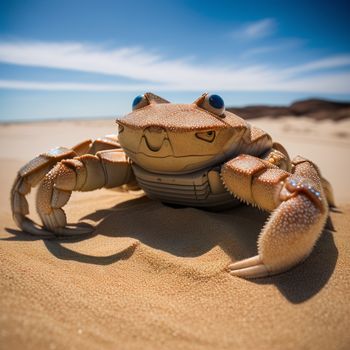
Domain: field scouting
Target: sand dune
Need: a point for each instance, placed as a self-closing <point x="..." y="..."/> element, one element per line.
<point x="316" y="109"/>
<point x="153" y="277"/>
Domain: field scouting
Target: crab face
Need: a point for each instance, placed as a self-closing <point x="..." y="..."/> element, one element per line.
<point x="172" y="138"/>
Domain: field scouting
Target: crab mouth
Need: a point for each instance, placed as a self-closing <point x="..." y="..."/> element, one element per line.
<point x="152" y="147"/>
<point x="154" y="142"/>
<point x="154" y="138"/>
<point x="156" y="151"/>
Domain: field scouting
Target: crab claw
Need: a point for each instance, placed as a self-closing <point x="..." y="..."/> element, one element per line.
<point x="249" y="268"/>
<point x="289" y="235"/>
<point x="299" y="212"/>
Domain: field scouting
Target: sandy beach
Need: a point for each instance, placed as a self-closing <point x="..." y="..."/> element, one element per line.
<point x="153" y="277"/>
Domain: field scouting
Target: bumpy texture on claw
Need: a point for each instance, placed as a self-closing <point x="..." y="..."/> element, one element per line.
<point x="294" y="226"/>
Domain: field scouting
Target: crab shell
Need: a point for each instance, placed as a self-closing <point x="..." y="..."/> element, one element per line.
<point x="170" y="138"/>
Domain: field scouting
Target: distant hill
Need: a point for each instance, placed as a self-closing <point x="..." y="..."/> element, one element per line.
<point x="314" y="108"/>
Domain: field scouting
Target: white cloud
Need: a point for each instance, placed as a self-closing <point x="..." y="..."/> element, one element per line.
<point x="256" y="30"/>
<point x="326" y="63"/>
<point x="58" y="86"/>
<point x="149" y="71"/>
<point x="278" y="46"/>
<point x="334" y="83"/>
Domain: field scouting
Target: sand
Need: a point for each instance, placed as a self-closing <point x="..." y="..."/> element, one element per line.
<point x="153" y="277"/>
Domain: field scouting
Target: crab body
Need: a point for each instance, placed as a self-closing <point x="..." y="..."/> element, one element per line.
<point x="189" y="154"/>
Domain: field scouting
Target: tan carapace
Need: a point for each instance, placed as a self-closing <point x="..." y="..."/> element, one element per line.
<point x="187" y="154"/>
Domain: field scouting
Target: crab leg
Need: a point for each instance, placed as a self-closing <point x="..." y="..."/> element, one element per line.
<point x="34" y="171"/>
<point x="299" y="211"/>
<point x="85" y="173"/>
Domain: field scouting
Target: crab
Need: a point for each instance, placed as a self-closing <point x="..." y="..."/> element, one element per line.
<point x="197" y="155"/>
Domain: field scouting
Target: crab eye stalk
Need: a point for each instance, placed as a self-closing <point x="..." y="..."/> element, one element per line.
<point x="139" y="102"/>
<point x="214" y="104"/>
<point x="208" y="136"/>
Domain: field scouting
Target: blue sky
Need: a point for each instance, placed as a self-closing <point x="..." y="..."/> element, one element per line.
<point x="90" y="58"/>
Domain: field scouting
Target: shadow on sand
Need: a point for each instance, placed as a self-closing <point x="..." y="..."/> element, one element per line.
<point x="183" y="234"/>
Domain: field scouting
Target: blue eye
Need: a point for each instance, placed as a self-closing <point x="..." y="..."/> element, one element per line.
<point x="214" y="104"/>
<point x="139" y="102"/>
<point x="216" y="101"/>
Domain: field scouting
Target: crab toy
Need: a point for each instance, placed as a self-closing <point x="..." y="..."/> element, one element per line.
<point x="195" y="155"/>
